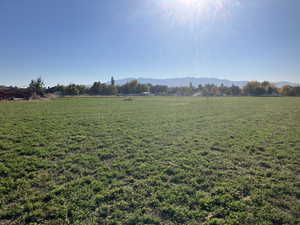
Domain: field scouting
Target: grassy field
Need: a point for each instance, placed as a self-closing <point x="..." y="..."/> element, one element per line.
<point x="152" y="160"/>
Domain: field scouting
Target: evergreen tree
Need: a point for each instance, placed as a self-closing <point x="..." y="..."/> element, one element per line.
<point x="37" y="86"/>
<point x="112" y="82"/>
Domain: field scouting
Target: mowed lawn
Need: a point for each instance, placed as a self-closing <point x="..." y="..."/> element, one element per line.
<point x="151" y="160"/>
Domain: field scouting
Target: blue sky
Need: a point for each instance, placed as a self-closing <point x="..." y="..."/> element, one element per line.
<point x="83" y="41"/>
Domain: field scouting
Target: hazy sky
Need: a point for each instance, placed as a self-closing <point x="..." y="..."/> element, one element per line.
<point x="83" y="41"/>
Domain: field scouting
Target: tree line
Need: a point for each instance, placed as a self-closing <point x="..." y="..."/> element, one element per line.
<point x="253" y="88"/>
<point x="98" y="88"/>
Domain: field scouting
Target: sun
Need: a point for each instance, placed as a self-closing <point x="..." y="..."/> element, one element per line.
<point x="191" y="3"/>
<point x="196" y="4"/>
<point x="193" y="11"/>
<point x="187" y="2"/>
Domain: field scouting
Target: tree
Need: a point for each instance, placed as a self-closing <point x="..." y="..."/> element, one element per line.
<point x="235" y="90"/>
<point x="82" y="89"/>
<point x="133" y="87"/>
<point x="254" y="88"/>
<point x="72" y="89"/>
<point x="113" y="90"/>
<point x="290" y="91"/>
<point x="112" y="81"/>
<point x="297" y="91"/>
<point x="56" y="89"/>
<point x="158" y="89"/>
<point x="37" y="86"/>
<point x="97" y="88"/>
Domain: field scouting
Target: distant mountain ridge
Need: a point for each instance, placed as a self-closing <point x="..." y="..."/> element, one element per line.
<point x="195" y="81"/>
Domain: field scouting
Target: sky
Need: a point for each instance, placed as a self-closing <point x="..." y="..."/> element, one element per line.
<point x="82" y="41"/>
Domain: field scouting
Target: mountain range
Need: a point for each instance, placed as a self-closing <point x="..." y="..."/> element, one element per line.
<point x="195" y="81"/>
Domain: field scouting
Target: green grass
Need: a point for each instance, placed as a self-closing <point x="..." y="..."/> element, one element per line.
<point x="152" y="160"/>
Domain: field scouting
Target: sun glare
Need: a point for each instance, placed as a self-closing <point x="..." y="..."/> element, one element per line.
<point x="193" y="11"/>
<point x="191" y="3"/>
